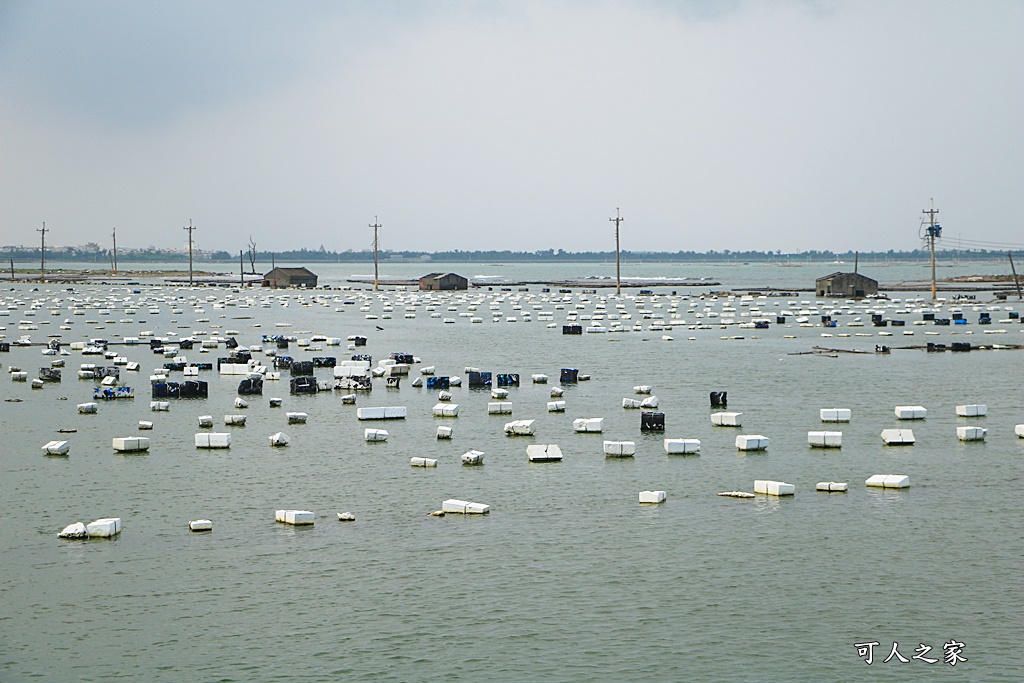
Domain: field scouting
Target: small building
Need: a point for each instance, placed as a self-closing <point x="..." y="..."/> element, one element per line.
<point x="290" y="277"/>
<point x="846" y="285"/>
<point x="435" y="281"/>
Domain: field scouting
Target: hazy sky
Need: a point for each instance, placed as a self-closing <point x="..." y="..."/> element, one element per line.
<point x="766" y="125"/>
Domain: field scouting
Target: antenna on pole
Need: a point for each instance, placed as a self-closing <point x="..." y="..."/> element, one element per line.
<point x="42" y="253"/>
<point x="189" y="228"/>
<point x="932" y="233"/>
<point x="618" y="277"/>
<point x="114" y="255"/>
<point x="376" y="245"/>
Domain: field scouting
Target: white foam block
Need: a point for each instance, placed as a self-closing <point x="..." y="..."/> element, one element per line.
<point x="104" y="528"/>
<point x="832" y="486"/>
<point x="87" y="408"/>
<point x="279" y="439"/>
<point x="76" y="530"/>
<point x="682" y="446"/>
<point x="444" y="432"/>
<point x="1019" y="430"/>
<point x="375" y="434"/>
<point x="298" y="517"/>
<point x="499" y="408"/>
<point x="200" y="525"/>
<point x="619" y="448"/>
<point x="972" y="410"/>
<point x="473" y="458"/>
<point x="727" y="419"/>
<point x="588" y="424"/>
<point x="446" y="410"/>
<point x="835" y="414"/>
<point x="825" y="439"/>
<point x="773" y="488"/>
<point x="213" y="440"/>
<point x="889" y="481"/>
<point x="423" y="462"/>
<point x="145" y="425"/>
<point x="57" y="448"/>
<point x="296" y="418"/>
<point x="971" y="433"/>
<point x="206" y="420"/>
<point x="911" y="412"/>
<point x="630" y="403"/>
<point x="541" y="452"/>
<point x="751" y="442"/>
<point x="898" y="437"/>
<point x="652" y="496"/>
<point x="464" y="507"/>
<point x="235" y="420"/>
<point x="556" y="406"/>
<point x="519" y="427"/>
<point x="126" y="444"/>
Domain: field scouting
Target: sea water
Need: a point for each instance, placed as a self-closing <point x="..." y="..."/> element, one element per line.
<point x="568" y="578"/>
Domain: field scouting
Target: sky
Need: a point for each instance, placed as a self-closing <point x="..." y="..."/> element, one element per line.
<point x="787" y="125"/>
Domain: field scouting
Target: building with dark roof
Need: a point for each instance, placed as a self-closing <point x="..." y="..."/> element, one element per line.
<point x="279" y="278"/>
<point x="847" y="285"/>
<point x="436" y="281"/>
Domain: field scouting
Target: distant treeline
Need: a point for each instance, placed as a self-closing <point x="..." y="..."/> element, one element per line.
<point x="302" y="256"/>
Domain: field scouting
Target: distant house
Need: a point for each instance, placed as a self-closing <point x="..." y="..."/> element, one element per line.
<point x="434" y="281"/>
<point x="290" y="277"/>
<point x="846" y="285"/>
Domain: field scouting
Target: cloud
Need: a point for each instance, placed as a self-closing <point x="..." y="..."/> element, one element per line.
<point x="763" y="125"/>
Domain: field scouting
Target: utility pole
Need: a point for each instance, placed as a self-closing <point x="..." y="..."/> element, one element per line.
<point x="42" y="253"/>
<point x="618" y="276"/>
<point x="189" y="229"/>
<point x="114" y="236"/>
<point x="1016" y="282"/>
<point x="933" y="232"/>
<point x="376" y="245"/>
<point x="241" y="269"/>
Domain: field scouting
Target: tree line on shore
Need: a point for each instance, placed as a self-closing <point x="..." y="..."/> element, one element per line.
<point x="152" y="255"/>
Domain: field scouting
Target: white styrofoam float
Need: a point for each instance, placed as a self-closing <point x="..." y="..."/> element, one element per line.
<point x="971" y="433"/>
<point x="56" y="448"/>
<point x="464" y="507"/>
<point x="234" y="420"/>
<point x="825" y="439"/>
<point x="296" y="418"/>
<point x="519" y="428"/>
<point x="76" y="530"/>
<point x="773" y="488"/>
<point x="1019" y="430"/>
<point x="898" y="437"/>
<point x="295" y="517"/>
<point x="619" y="449"/>
<point x="652" y="497"/>
<point x="279" y="439"/>
<point x="543" y="452"/>
<point x="446" y="410"/>
<point x="375" y="434"/>
<point x="889" y="481"/>
<point x="444" y="432"/>
<point x="972" y="410"/>
<point x="682" y="446"/>
<point x="751" y="442"/>
<point x="381" y="413"/>
<point x="499" y="408"/>
<point x="200" y="525"/>
<point x="213" y="440"/>
<point x="206" y="420"/>
<point x="556" y="406"/>
<point x="835" y="414"/>
<point x="727" y="419"/>
<point x="588" y="424"/>
<point x="911" y="412"/>
<point x="423" y="462"/>
<point x="145" y="425"/>
<point x="108" y="527"/>
<point x="473" y="458"/>
<point x="128" y="444"/>
<point x="831" y="486"/>
<point x="87" y="408"/>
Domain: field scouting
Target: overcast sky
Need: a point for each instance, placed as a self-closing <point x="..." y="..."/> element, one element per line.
<point x="785" y="124"/>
